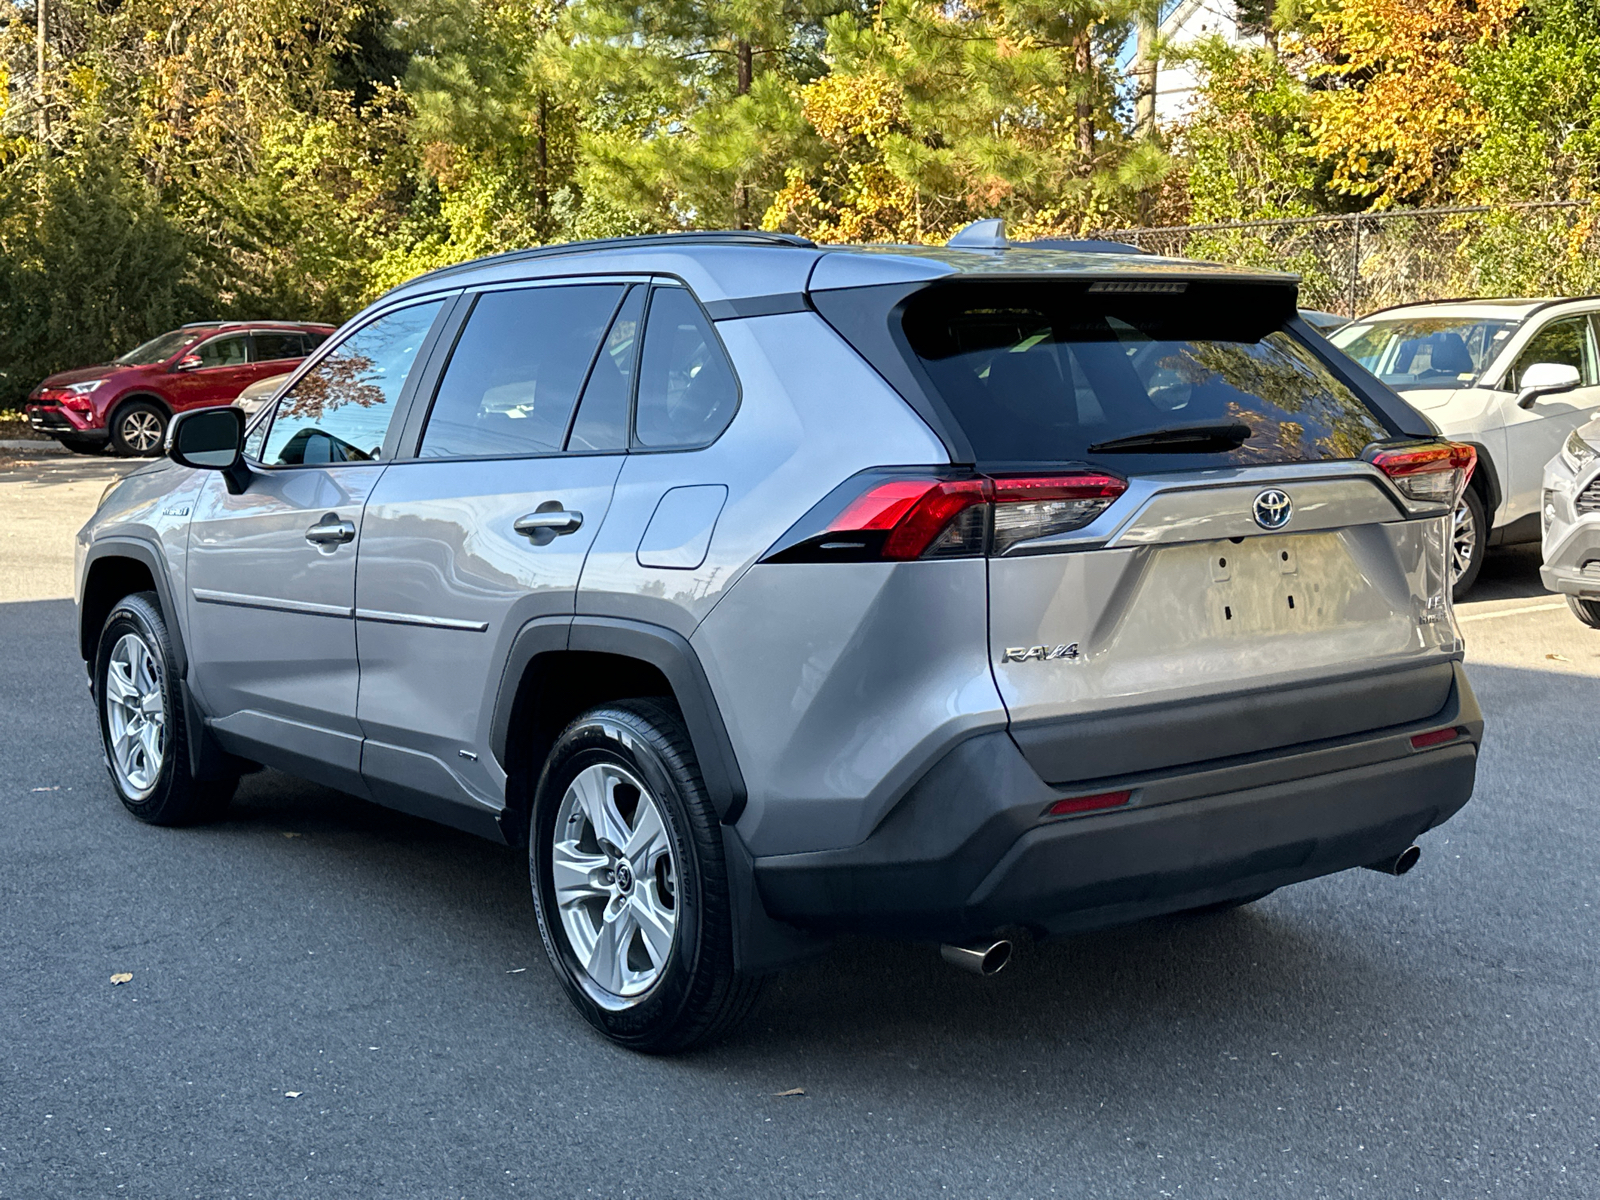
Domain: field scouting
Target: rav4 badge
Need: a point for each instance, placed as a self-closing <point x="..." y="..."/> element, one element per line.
<point x="1041" y="653"/>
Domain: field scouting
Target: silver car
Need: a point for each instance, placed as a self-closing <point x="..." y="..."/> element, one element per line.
<point x="1571" y="523"/>
<point x="765" y="591"/>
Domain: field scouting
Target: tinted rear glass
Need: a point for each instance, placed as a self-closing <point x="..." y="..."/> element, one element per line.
<point x="1053" y="372"/>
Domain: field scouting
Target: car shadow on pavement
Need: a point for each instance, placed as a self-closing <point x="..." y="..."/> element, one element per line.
<point x="863" y="996"/>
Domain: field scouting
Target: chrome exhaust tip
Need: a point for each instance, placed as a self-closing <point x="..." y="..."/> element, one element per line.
<point x="1399" y="864"/>
<point x="981" y="958"/>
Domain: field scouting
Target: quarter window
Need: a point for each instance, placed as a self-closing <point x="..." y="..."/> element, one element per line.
<point x="339" y="411"/>
<point x="1567" y="342"/>
<point x="687" y="390"/>
<point x="516" y="371"/>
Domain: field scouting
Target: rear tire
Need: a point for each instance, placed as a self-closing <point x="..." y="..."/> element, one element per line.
<point x="1587" y="611"/>
<point x="641" y="934"/>
<point x="138" y="429"/>
<point x="1469" y="539"/>
<point x="143" y="727"/>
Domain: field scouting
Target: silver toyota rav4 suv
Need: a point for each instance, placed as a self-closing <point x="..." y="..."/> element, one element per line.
<point x="766" y="590"/>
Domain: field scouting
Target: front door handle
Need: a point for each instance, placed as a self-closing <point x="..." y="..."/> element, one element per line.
<point x="330" y="531"/>
<point x="545" y="525"/>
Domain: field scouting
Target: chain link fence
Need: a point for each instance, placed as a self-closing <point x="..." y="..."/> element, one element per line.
<point x="1357" y="263"/>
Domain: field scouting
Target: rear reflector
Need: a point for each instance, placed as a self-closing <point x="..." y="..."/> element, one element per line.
<point x="1080" y="804"/>
<point x="1437" y="472"/>
<point x="1436" y="737"/>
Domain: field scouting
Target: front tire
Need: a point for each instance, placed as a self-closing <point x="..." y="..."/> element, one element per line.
<point x="1587" y="611"/>
<point x="143" y="727"/>
<point x="630" y="884"/>
<point x="1469" y="538"/>
<point x="138" y="429"/>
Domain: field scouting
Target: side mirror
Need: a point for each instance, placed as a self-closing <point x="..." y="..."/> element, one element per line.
<point x="211" y="439"/>
<point x="1545" y="379"/>
<point x="188" y="363"/>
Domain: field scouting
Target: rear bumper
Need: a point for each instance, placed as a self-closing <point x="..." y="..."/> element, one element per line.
<point x="968" y="851"/>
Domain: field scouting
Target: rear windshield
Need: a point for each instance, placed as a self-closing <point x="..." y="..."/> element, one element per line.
<point x="1062" y="372"/>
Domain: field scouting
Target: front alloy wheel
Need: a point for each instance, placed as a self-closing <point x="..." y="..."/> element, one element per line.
<point x="143" y="727"/>
<point x="136" y="715"/>
<point x="138" y="429"/>
<point x="615" y="879"/>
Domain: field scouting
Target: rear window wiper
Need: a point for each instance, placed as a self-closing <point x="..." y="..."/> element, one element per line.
<point x="1180" y="439"/>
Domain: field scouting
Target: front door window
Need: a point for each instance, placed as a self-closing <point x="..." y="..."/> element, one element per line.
<point x="339" y="411"/>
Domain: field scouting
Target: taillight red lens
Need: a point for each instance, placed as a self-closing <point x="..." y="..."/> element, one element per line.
<point x="1078" y="804"/>
<point x="946" y="516"/>
<point x="913" y="512"/>
<point x="1436" y="737"/>
<point x="1438" y="472"/>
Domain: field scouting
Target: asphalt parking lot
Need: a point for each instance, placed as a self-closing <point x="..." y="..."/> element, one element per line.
<point x="329" y="999"/>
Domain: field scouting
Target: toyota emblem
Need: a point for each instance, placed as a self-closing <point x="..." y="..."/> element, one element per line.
<point x="1273" y="509"/>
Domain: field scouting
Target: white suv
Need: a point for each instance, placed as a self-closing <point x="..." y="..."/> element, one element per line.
<point x="1511" y="377"/>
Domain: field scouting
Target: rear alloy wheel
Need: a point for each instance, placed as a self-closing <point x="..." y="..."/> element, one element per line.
<point x="138" y="428"/>
<point x="1587" y="611"/>
<point x="143" y="727"/>
<point x="1469" y="535"/>
<point x="629" y="882"/>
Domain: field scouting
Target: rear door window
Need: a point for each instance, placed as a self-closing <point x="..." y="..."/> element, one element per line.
<point x="687" y="389"/>
<point x="602" y="421"/>
<point x="1055" y="372"/>
<point x="273" y="346"/>
<point x="516" y="371"/>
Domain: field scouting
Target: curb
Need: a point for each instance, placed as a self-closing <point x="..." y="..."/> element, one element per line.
<point x="31" y="446"/>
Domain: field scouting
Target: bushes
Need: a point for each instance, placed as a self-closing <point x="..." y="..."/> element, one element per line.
<point x="90" y="266"/>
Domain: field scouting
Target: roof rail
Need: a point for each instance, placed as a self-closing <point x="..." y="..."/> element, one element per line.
<point x="202" y="324"/>
<point x="706" y="237"/>
<point x="1082" y="245"/>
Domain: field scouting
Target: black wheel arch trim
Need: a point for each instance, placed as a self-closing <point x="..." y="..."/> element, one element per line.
<point x="149" y="557"/>
<point x="670" y="653"/>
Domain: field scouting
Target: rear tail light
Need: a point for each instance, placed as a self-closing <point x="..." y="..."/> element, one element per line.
<point x="1435" y="473"/>
<point x="896" y="517"/>
<point x="1079" y="804"/>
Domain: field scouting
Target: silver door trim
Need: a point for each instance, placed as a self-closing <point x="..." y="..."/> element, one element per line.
<point x="242" y="600"/>
<point x="392" y="618"/>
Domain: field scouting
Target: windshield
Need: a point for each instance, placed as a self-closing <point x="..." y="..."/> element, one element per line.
<point x="1055" y="373"/>
<point x="1424" y="352"/>
<point x="159" y="349"/>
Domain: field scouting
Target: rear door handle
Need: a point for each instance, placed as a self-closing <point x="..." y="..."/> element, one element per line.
<point x="330" y="531"/>
<point x="547" y="525"/>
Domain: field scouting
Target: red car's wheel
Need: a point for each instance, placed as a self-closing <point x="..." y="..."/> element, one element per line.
<point x="138" y="428"/>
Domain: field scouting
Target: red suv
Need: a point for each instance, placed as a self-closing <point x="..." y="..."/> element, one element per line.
<point x="129" y="400"/>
